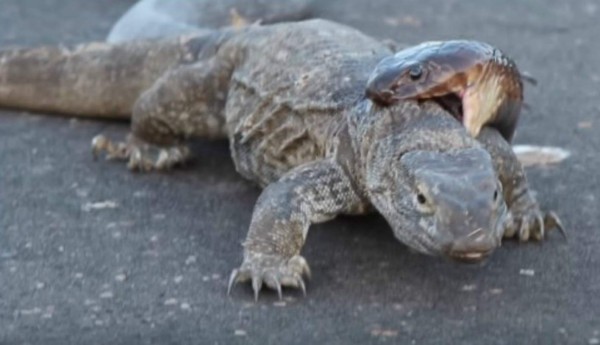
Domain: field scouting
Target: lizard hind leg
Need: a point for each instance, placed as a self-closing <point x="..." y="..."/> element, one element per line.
<point x="186" y="102"/>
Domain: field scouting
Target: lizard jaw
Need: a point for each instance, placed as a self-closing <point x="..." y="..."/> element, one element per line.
<point x="472" y="258"/>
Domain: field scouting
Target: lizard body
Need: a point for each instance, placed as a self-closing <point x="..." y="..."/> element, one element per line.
<point x="290" y="100"/>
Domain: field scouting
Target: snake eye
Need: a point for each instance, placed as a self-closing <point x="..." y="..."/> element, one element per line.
<point x="415" y="72"/>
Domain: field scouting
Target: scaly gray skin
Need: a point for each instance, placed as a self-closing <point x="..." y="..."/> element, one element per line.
<point x="290" y="99"/>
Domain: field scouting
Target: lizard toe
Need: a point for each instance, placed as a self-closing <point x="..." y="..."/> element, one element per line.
<point x="273" y="271"/>
<point x="532" y="224"/>
<point x="140" y="156"/>
<point x="524" y="228"/>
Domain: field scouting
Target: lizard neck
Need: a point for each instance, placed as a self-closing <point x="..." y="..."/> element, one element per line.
<point x="370" y="137"/>
<point x="375" y="135"/>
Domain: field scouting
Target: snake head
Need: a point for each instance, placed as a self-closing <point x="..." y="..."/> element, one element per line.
<point x="474" y="81"/>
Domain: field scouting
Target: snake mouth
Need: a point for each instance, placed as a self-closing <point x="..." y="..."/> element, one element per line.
<point x="452" y="103"/>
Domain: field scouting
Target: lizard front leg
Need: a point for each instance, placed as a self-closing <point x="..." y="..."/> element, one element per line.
<point x="312" y="193"/>
<point x="526" y="218"/>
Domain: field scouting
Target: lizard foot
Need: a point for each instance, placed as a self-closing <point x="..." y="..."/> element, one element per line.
<point x="527" y="221"/>
<point x="272" y="270"/>
<point x="140" y="155"/>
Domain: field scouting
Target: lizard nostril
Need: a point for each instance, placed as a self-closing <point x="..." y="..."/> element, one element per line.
<point x="496" y="194"/>
<point x="421" y="199"/>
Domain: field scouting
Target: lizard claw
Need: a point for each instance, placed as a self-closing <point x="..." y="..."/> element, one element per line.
<point x="232" y="280"/>
<point x="256" y="287"/>
<point x="302" y="285"/>
<point x="271" y="270"/>
<point x="551" y="220"/>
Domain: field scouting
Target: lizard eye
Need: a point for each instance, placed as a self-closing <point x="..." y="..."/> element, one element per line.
<point x="423" y="204"/>
<point x="415" y="72"/>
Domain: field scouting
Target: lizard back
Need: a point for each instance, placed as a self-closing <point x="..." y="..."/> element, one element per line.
<point x="291" y="82"/>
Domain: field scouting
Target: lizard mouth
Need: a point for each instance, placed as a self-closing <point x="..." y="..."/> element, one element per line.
<point x="471" y="257"/>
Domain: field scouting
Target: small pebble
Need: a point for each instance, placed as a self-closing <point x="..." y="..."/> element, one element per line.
<point x="190" y="260"/>
<point x="33" y="311"/>
<point x="106" y="295"/>
<point x="470" y="287"/>
<point x="171" y="301"/>
<point x="159" y="216"/>
<point x="185" y="306"/>
<point x="384" y="333"/>
<point x="139" y="194"/>
<point x="89" y="302"/>
<point x="120" y="277"/>
<point x="527" y="272"/>
<point x="178" y="279"/>
<point x="240" y="333"/>
<point x="90" y="206"/>
<point x="495" y="291"/>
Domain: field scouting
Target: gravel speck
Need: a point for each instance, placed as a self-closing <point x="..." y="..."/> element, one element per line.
<point x="190" y="260"/>
<point x="527" y="272"/>
<point x="171" y="301"/>
<point x="240" y="333"/>
<point x="107" y="295"/>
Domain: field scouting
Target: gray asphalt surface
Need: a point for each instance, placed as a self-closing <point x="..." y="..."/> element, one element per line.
<point x="154" y="268"/>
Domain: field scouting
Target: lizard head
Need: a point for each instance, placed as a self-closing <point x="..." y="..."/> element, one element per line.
<point x="441" y="203"/>
<point x="474" y="81"/>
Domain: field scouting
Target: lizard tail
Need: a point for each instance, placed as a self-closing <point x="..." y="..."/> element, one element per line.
<point x="90" y="80"/>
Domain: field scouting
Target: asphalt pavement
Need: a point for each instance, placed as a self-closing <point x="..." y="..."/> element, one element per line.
<point x="93" y="254"/>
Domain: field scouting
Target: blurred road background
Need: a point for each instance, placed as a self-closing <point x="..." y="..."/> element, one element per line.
<point x="152" y="265"/>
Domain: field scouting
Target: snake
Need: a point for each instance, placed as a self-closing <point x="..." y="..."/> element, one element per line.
<point x="476" y="82"/>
